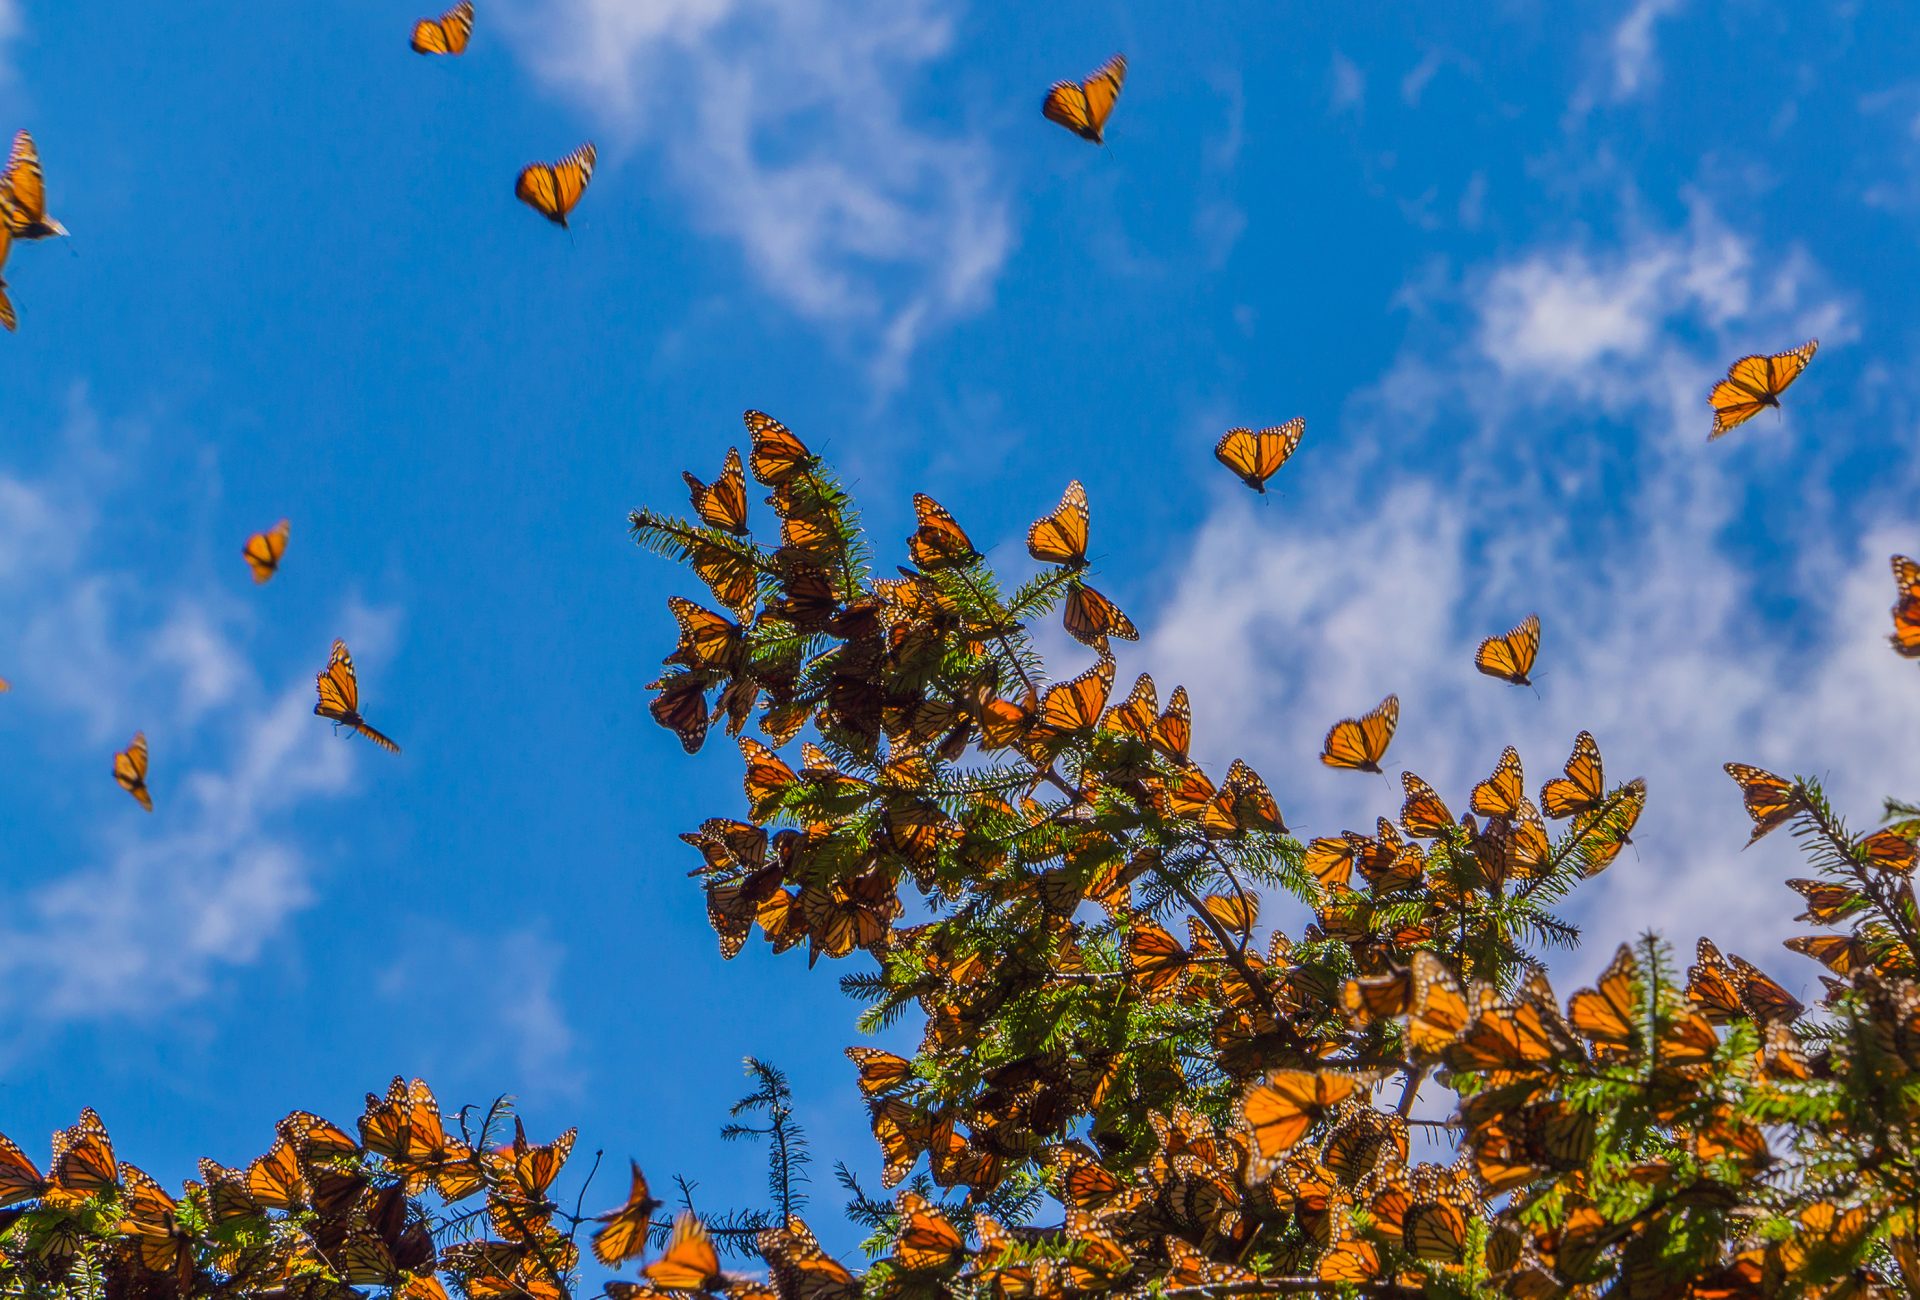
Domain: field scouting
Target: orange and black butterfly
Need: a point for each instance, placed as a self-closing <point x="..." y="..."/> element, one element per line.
<point x="447" y="34"/>
<point x="1906" y="610"/>
<point x="130" y="770"/>
<point x="1501" y="794"/>
<point x="19" y="1180"/>
<point x="1608" y="1015"/>
<point x="778" y="457"/>
<point x="1278" y="1111"/>
<point x="1061" y="537"/>
<point x="1424" y="814"/>
<point x="83" y="1163"/>
<point x="1510" y="657"/>
<point x="1755" y="383"/>
<point x="939" y="542"/>
<point x="689" y="1262"/>
<point x="23" y="193"/>
<point x="722" y="503"/>
<point x="551" y="189"/>
<point x="1067" y="708"/>
<point x="926" y="1241"/>
<point x="1257" y="455"/>
<point x="1583" y="788"/>
<point x="1090" y="618"/>
<point x="1360" y="743"/>
<point x="1083" y="106"/>
<point x="1770" y="800"/>
<point x="625" y="1235"/>
<point x="263" y="551"/>
<point x="879" y="1071"/>
<point x="1726" y="987"/>
<point x="1437" y="1011"/>
<point x="340" y="697"/>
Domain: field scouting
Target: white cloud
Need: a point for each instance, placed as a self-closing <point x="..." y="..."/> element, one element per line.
<point x="1540" y="447"/>
<point x="11" y="26"/>
<point x="1635" y="60"/>
<point x="1349" y="86"/>
<point x="158" y="905"/>
<point x="788" y="127"/>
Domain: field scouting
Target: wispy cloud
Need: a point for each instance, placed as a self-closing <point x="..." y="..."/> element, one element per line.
<point x="153" y="907"/>
<point x="1347" y="86"/>
<point x="788" y="127"/>
<point x="1635" y="56"/>
<point x="1539" y="447"/>
<point x="11" y="26"/>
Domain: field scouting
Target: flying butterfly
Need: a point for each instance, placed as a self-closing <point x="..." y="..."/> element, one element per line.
<point x="1083" y="106"/>
<point x="1360" y="743"/>
<point x="130" y="770"/>
<point x="1770" y="800"/>
<point x="1061" y="537"/>
<point x="689" y="1262"/>
<point x="263" y="551"/>
<point x="1582" y="788"/>
<point x="23" y="193"/>
<point x="551" y="189"/>
<point x="340" y="697"/>
<point x="723" y="503"/>
<point x="1257" y="455"/>
<point x="447" y="34"/>
<point x="1755" y="383"/>
<point x="1510" y="656"/>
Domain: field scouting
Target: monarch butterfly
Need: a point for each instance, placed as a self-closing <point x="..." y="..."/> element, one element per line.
<point x="1424" y="814"/>
<point x="340" y="697"/>
<point x="1770" y="800"/>
<point x="83" y="1163"/>
<point x="778" y="456"/>
<point x="1258" y="456"/>
<point x="1438" y="1010"/>
<point x="1582" y="788"/>
<point x="1090" y="618"/>
<point x="1827" y="901"/>
<point x="707" y="639"/>
<point x="1154" y="958"/>
<point x="926" y="1242"/>
<point x="277" y="1179"/>
<point x="1360" y="743"/>
<point x="1729" y="987"/>
<point x="551" y="189"/>
<point x="530" y="1169"/>
<point x="800" y="1269"/>
<point x="23" y="193"/>
<point x="939" y="542"/>
<point x="1755" y="383"/>
<point x="723" y="503"/>
<point x="1083" y="107"/>
<point x="1891" y="849"/>
<point x="625" y="1235"/>
<point x="1510" y="657"/>
<point x="1906" y="610"/>
<point x="7" y="317"/>
<point x="1061" y="537"/>
<point x="879" y="1071"/>
<point x="1500" y="795"/>
<point x="447" y="34"/>
<point x="263" y="551"/>
<point x="130" y="770"/>
<point x="1069" y="707"/>
<point x="1084" y="1183"/>
<point x="156" y="1234"/>
<point x="1608" y="1015"/>
<point x="689" y="1262"/>
<point x="1278" y="1111"/>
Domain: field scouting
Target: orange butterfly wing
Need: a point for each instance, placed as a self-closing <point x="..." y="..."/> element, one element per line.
<point x="130" y="770"/>
<point x="447" y="34"/>
<point x="1257" y="456"/>
<point x="1510" y="657"/>
<point x="1061" y="537"/>
<point x="1582" y="788"/>
<point x="723" y="503"/>
<point x="1360" y="743"/>
<point x="339" y="701"/>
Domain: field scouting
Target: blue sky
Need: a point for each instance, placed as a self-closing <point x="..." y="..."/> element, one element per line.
<point x="1493" y="254"/>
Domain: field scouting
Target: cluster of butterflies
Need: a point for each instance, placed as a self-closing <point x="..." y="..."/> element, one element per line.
<point x="337" y="686"/>
<point x="23" y="211"/>
<point x="322" y="1212"/>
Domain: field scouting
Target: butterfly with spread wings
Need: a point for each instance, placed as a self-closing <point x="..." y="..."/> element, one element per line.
<point x="1084" y="106"/>
<point x="130" y="770"/>
<point x="1061" y="537"/>
<point x="1755" y="383"/>
<point x="1510" y="656"/>
<point x="447" y="34"/>
<point x="23" y="193"/>
<point x="340" y="697"/>
<point x="263" y="551"/>
<point x="1360" y="743"/>
<point x="552" y="189"/>
<point x="1257" y="455"/>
